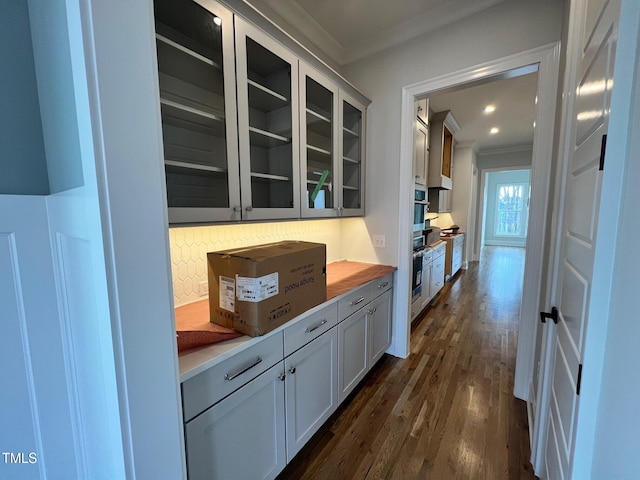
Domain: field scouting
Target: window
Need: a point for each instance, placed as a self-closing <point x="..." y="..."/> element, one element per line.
<point x="512" y="200"/>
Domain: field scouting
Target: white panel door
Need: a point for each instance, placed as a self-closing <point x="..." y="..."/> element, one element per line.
<point x="596" y="31"/>
<point x="36" y="432"/>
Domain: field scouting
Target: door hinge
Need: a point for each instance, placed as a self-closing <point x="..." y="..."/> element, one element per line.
<point x="603" y="149"/>
<point x="579" y="382"/>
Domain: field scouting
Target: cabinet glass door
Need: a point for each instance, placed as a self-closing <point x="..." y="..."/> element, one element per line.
<point x="318" y="140"/>
<point x="267" y="112"/>
<point x="197" y="99"/>
<point x="352" y="143"/>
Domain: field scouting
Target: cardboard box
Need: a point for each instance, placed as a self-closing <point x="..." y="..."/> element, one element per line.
<point x="256" y="289"/>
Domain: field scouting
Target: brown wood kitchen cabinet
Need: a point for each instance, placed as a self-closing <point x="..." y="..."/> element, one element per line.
<point x="443" y="127"/>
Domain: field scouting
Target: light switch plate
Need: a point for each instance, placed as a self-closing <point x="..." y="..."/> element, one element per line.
<point x="203" y="288"/>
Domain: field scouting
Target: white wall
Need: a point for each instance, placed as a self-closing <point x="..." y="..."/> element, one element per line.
<point x="508" y="28"/>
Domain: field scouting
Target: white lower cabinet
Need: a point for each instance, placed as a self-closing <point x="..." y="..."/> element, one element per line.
<point x="379" y="319"/>
<point x="311" y="389"/>
<point x="352" y="352"/>
<point x="243" y="436"/>
<point x="437" y="272"/>
<point x="252" y="430"/>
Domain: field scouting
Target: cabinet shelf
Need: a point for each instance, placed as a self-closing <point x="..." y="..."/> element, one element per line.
<point x="262" y="138"/>
<point x="184" y="107"/>
<point x="318" y="150"/>
<point x="347" y="187"/>
<point x="194" y="166"/>
<point x="265" y="99"/>
<point x="188" y="51"/>
<point x="350" y="160"/>
<point x="267" y="177"/>
<point x="350" y="134"/>
<point x="318" y="124"/>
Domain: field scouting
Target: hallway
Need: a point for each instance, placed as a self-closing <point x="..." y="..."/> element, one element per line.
<point x="448" y="411"/>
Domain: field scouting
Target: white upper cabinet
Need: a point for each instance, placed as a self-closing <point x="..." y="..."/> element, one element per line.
<point x="198" y="105"/>
<point x="247" y="136"/>
<point x="319" y="133"/>
<point x="351" y="154"/>
<point x="267" y="126"/>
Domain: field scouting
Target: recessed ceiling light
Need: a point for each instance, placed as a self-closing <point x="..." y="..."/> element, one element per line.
<point x="494" y="130"/>
<point x="489" y="109"/>
<point x="217" y="21"/>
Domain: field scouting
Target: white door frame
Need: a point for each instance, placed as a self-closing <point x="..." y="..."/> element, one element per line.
<point x="547" y="59"/>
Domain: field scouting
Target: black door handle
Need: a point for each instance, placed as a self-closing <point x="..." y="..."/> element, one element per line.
<point x="553" y="316"/>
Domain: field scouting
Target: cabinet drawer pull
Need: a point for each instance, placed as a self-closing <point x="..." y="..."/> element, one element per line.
<point x="231" y="376"/>
<point x="316" y="326"/>
<point x="356" y="302"/>
<point x="383" y="285"/>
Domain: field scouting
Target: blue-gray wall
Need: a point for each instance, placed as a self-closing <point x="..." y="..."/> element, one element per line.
<point x="23" y="167"/>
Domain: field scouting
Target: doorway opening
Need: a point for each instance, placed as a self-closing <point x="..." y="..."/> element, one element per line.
<point x="544" y="60"/>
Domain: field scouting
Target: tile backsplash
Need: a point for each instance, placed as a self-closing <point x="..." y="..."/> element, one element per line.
<point x="189" y="247"/>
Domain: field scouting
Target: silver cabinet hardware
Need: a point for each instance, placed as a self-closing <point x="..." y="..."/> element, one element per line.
<point x="249" y="208"/>
<point x="237" y="208"/>
<point x="231" y="376"/>
<point x="292" y="370"/>
<point x="282" y="376"/>
<point x="316" y="326"/>
<point x="383" y="285"/>
<point x="356" y="302"/>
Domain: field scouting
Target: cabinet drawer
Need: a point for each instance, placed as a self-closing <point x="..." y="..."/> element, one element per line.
<point x="354" y="301"/>
<point x="459" y="240"/>
<point x="212" y="385"/>
<point x="427" y="255"/>
<point x="381" y="285"/>
<point x="310" y="327"/>
<point x="439" y="252"/>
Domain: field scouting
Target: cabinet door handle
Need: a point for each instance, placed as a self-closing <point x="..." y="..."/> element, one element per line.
<point x="292" y="370"/>
<point x="231" y="376"/>
<point x="316" y="326"/>
<point x="237" y="208"/>
<point x="282" y="376"/>
<point x="383" y="285"/>
<point x="249" y="208"/>
<point x="356" y="302"/>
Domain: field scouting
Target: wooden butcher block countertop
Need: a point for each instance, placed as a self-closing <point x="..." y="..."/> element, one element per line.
<point x="195" y="330"/>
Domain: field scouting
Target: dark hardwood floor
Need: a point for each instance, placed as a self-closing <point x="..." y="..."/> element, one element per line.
<point x="447" y="411"/>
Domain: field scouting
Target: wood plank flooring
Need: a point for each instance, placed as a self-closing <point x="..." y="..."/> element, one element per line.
<point x="447" y="411"/>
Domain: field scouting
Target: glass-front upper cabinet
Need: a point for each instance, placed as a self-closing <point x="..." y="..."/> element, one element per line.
<point x="352" y="144"/>
<point x="198" y="105"/>
<point x="319" y="134"/>
<point x="267" y="126"/>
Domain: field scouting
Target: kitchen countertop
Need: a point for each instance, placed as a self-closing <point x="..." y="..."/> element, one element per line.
<point x="342" y="277"/>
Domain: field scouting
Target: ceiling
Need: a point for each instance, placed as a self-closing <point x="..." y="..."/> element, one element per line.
<point x="347" y="30"/>
<point x="515" y="110"/>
